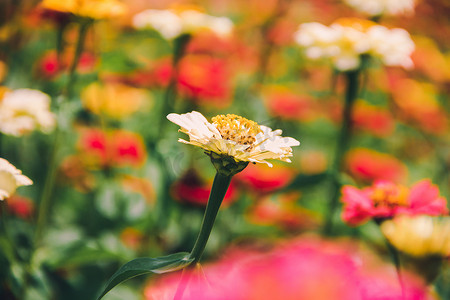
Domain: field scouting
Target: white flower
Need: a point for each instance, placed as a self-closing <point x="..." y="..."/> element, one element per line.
<point x="167" y="23"/>
<point x="10" y="179"/>
<point x="379" y="7"/>
<point x="347" y="39"/>
<point x="24" y="110"/>
<point x="171" y="24"/>
<point x="394" y="47"/>
<point x="235" y="136"/>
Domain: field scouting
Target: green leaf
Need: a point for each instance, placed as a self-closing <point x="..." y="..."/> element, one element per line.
<point x="145" y="265"/>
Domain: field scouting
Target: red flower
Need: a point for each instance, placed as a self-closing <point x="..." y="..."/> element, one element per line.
<point x="385" y="200"/>
<point x="263" y="179"/>
<point x="116" y="148"/>
<point x="291" y="106"/>
<point x="204" y="79"/>
<point x="126" y="148"/>
<point x="193" y="190"/>
<point x="369" y="165"/>
<point x="20" y="206"/>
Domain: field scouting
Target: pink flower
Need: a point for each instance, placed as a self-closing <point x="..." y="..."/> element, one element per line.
<point x="385" y="199"/>
<point x="307" y="268"/>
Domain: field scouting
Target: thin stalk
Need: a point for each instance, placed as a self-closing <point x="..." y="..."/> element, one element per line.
<point x="218" y="191"/>
<point x="46" y="197"/>
<point x="344" y="138"/>
<point x="45" y="202"/>
<point x="396" y="260"/>
<point x="82" y="31"/>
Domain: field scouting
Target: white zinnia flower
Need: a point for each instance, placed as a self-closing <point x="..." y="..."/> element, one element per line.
<point x="24" y="110"/>
<point x="171" y="24"/>
<point x="379" y="7"/>
<point x="10" y="179"/>
<point x="394" y="47"/>
<point x="235" y="136"/>
<point x="347" y="39"/>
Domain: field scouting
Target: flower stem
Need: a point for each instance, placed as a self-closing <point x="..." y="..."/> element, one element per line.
<point x="82" y="31"/>
<point x="352" y="78"/>
<point x="45" y="203"/>
<point x="218" y="191"/>
<point x="396" y="260"/>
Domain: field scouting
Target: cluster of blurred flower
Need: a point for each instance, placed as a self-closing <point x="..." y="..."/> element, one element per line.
<point x="172" y="23"/>
<point x="347" y="39"/>
<point x="306" y="268"/>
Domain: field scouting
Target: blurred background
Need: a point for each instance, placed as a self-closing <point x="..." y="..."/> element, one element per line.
<point x="111" y="182"/>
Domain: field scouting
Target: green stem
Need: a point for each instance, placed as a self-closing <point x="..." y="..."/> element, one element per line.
<point x="45" y="202"/>
<point x="82" y="31"/>
<point x="218" y="191"/>
<point x="344" y="138"/>
<point x="396" y="260"/>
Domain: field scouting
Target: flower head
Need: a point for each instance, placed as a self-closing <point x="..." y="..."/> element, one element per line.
<point x="114" y="100"/>
<point x="172" y="23"/>
<point x="368" y="165"/>
<point x="24" y="110"/>
<point x="384" y="200"/>
<point x="347" y="39"/>
<point x="94" y="9"/>
<point x="419" y="236"/>
<point x="379" y="7"/>
<point x="234" y="138"/>
<point x="306" y="268"/>
<point x="10" y="179"/>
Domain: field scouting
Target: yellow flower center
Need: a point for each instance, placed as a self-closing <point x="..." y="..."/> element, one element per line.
<point x="236" y="128"/>
<point x="390" y="195"/>
<point x="355" y="23"/>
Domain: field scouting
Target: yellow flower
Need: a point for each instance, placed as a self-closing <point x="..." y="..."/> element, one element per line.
<point x="94" y="9"/>
<point x="10" y="179"/>
<point x="234" y="136"/>
<point x="419" y="236"/>
<point x="114" y="100"/>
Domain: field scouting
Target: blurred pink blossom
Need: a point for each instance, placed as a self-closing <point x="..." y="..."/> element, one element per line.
<point x="385" y="199"/>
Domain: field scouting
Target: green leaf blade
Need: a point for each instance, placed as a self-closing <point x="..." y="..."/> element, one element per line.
<point x="140" y="266"/>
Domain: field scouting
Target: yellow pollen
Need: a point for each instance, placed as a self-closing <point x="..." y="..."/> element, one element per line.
<point x="236" y="128"/>
<point x="390" y="195"/>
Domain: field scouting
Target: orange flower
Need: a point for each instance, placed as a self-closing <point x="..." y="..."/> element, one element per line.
<point x="418" y="102"/>
<point x="114" y="100"/>
<point x="284" y="103"/>
<point x="131" y="237"/>
<point x="369" y="165"/>
<point x="374" y="119"/>
<point x="94" y="9"/>
<point x="282" y="212"/>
